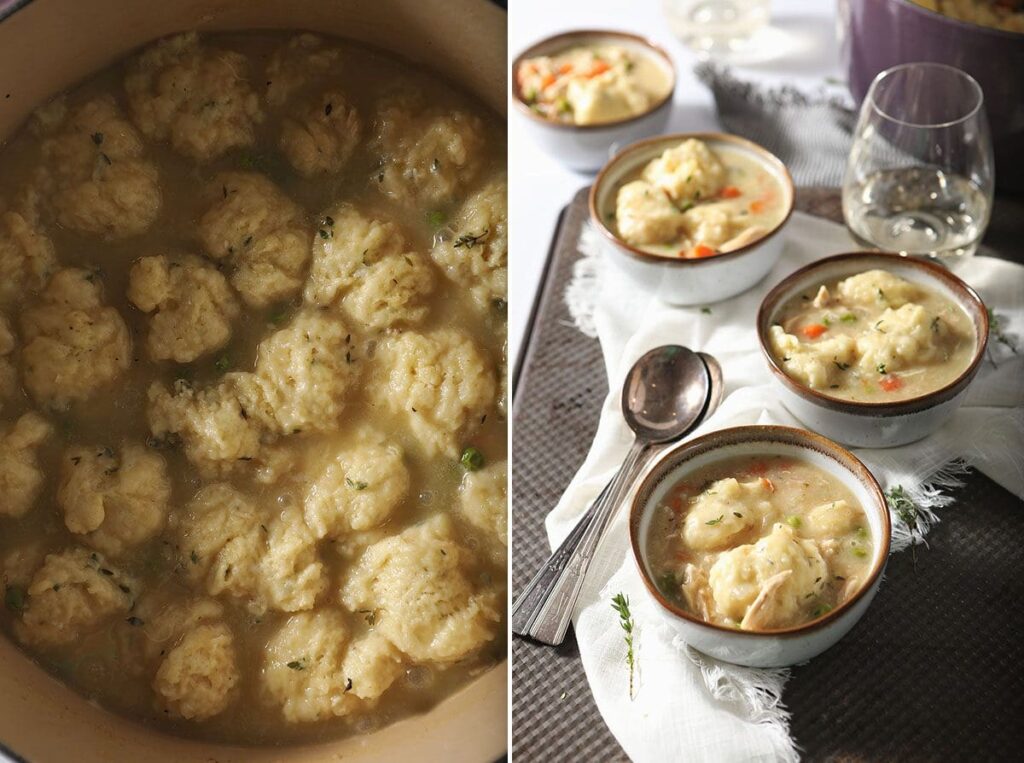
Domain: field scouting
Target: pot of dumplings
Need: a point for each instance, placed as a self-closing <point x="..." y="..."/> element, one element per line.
<point x="581" y="95"/>
<point x="760" y="545"/>
<point x="252" y="396"/>
<point x="872" y="349"/>
<point x="693" y="218"/>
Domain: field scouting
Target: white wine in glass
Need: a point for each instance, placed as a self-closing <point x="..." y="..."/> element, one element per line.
<point x="919" y="179"/>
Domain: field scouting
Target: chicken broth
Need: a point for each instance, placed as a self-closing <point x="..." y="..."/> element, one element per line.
<point x="694" y="201"/>
<point x="759" y="543"/>
<point x="252" y="362"/>
<point x="873" y="337"/>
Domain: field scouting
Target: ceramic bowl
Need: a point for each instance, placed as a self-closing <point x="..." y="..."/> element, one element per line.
<point x="587" y="147"/>
<point x="681" y="281"/>
<point x="876" y="424"/>
<point x="48" y="45"/>
<point x="776" y="648"/>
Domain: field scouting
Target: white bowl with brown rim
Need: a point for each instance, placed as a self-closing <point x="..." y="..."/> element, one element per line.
<point x="762" y="648"/>
<point x="680" y="280"/>
<point x="870" y="424"/>
<point x="587" y="147"/>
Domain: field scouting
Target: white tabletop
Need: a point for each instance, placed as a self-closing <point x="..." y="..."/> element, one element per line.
<point x="803" y="33"/>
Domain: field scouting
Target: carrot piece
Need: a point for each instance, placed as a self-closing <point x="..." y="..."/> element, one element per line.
<point x="768" y="484"/>
<point x="758" y="468"/>
<point x="565" y="68"/>
<point x="891" y="383"/>
<point x="599" y="67"/>
<point x="730" y="192"/>
<point x="757" y="206"/>
<point x="702" y="250"/>
<point x="549" y="79"/>
<point x="814" y="330"/>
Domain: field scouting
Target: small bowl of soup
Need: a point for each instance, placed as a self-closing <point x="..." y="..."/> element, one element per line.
<point x="582" y="94"/>
<point x="873" y="349"/>
<point x="761" y="545"/>
<point x="693" y="218"/>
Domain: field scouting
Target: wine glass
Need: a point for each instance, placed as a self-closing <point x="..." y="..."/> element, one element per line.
<point x="717" y="28"/>
<point x="920" y="178"/>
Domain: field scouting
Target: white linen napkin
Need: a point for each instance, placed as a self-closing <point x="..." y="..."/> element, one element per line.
<point x="688" y="706"/>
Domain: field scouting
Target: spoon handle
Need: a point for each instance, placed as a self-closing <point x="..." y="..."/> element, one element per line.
<point x="555" y="610"/>
<point x="528" y="605"/>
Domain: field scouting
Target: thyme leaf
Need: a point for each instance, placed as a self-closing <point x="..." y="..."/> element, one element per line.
<point x="620" y="603"/>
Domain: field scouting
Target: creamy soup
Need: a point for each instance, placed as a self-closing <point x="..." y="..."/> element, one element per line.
<point x="252" y="434"/>
<point x="694" y="201"/>
<point x="592" y="84"/>
<point x="1007" y="15"/>
<point x="873" y="337"/>
<point x="759" y="543"/>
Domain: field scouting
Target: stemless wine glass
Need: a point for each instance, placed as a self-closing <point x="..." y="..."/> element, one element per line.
<point x="919" y="179"/>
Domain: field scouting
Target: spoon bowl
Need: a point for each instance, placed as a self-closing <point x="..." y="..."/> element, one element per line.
<point x="666" y="394"/>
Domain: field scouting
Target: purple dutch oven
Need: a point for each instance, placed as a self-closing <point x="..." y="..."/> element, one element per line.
<point x="878" y="34"/>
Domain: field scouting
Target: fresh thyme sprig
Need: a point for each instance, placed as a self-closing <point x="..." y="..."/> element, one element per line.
<point x="907" y="512"/>
<point x="620" y="604"/>
<point x="995" y="327"/>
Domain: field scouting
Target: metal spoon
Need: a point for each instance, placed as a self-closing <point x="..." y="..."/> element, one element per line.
<point x="665" y="394"/>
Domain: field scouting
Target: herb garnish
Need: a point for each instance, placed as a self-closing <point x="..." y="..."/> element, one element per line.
<point x="706" y="310"/>
<point x="298" y="664"/>
<point x="848" y="318"/>
<point x="355" y="484"/>
<point x="995" y="325"/>
<point x="135" y="621"/>
<point x="620" y="604"/>
<point x="841" y="366"/>
<point x="435" y="219"/>
<point x="881" y="369"/>
<point x="468" y="240"/>
<point x="223" y="363"/>
<point x="472" y="458"/>
<point x="715" y="521"/>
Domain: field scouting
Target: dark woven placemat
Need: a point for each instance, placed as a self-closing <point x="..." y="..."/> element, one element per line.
<point x="932" y="672"/>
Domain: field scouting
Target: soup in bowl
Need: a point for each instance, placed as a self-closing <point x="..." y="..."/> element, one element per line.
<point x="873" y="349"/>
<point x="694" y="218"/>
<point x="762" y="545"/>
<point x="581" y="94"/>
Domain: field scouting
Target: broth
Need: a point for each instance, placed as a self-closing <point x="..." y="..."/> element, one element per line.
<point x="694" y="201"/>
<point x="759" y="543"/>
<point x="244" y="421"/>
<point x="873" y="337"/>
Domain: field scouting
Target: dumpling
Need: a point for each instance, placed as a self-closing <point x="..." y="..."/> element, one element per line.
<point x="21" y="476"/>
<point x="876" y="288"/>
<point x="816" y="364"/>
<point x="197" y="98"/>
<point x="421" y="585"/>
<point x="321" y="128"/>
<point x="71" y="595"/>
<point x="473" y="251"/>
<point x="645" y="215"/>
<point x="96" y="176"/>
<point x="357" y="489"/>
<point x="688" y="173"/>
<point x="903" y="337"/>
<point x="441" y="383"/>
<point x="724" y="512"/>
<point x="427" y="156"/>
<point x="191" y="303"/>
<point x="766" y="584"/>
<point x="74" y="344"/>
<point x="262" y="233"/>
<point x="27" y="258"/>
